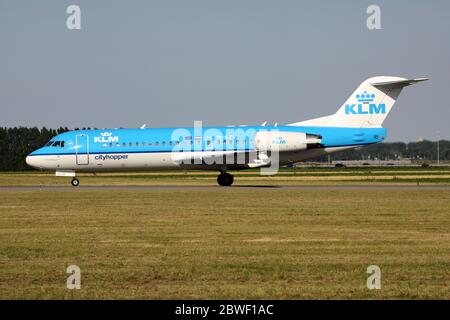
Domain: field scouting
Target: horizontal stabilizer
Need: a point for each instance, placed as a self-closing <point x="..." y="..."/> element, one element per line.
<point x="397" y="83"/>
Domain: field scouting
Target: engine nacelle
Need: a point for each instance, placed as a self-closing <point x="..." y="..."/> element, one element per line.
<point x="285" y="141"/>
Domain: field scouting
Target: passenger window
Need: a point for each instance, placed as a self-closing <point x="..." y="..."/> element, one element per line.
<point x="156" y="143"/>
<point x="150" y="143"/>
<point x="163" y="143"/>
<point x="130" y="144"/>
<point x="143" y="144"/>
<point x="110" y="144"/>
<point x="137" y="144"/>
<point x="124" y="144"/>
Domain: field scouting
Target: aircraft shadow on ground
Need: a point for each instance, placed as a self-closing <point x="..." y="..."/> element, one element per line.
<point x="255" y="186"/>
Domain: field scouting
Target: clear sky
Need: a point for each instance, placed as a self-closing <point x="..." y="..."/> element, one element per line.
<point x="168" y="63"/>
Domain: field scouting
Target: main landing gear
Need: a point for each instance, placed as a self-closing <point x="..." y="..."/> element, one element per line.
<point x="75" y="182"/>
<point x="225" y="179"/>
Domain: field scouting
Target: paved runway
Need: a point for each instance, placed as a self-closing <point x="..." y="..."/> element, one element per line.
<point x="235" y="187"/>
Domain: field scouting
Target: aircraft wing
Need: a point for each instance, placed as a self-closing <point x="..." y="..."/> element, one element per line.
<point x="252" y="159"/>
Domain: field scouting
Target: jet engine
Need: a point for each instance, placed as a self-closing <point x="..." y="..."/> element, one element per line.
<point x="286" y="141"/>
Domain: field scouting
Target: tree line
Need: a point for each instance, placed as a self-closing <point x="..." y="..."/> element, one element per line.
<point x="418" y="151"/>
<point x="16" y="143"/>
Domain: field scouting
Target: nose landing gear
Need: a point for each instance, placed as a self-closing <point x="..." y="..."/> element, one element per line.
<point x="75" y="182"/>
<point x="225" y="179"/>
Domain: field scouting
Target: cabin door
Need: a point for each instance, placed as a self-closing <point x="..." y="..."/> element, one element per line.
<point x="82" y="149"/>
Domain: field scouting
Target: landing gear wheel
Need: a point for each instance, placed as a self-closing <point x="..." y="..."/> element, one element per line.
<point x="225" y="179"/>
<point x="75" y="182"/>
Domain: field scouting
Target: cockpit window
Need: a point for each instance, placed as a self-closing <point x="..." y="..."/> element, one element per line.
<point x="59" y="144"/>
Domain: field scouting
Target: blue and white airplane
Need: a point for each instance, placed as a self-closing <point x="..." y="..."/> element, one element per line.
<point x="358" y="122"/>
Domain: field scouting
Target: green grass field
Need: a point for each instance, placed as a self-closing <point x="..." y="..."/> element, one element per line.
<point x="221" y="243"/>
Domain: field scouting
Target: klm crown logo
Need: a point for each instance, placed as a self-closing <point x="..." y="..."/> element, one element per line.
<point x="365" y="105"/>
<point x="365" y="97"/>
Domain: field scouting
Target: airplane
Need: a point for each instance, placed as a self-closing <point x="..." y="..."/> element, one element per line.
<point x="357" y="122"/>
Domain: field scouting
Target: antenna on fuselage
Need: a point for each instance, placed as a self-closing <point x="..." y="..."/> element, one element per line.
<point x="263" y="124"/>
<point x="143" y="126"/>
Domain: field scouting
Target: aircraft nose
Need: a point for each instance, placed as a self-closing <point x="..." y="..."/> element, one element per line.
<point x="31" y="161"/>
